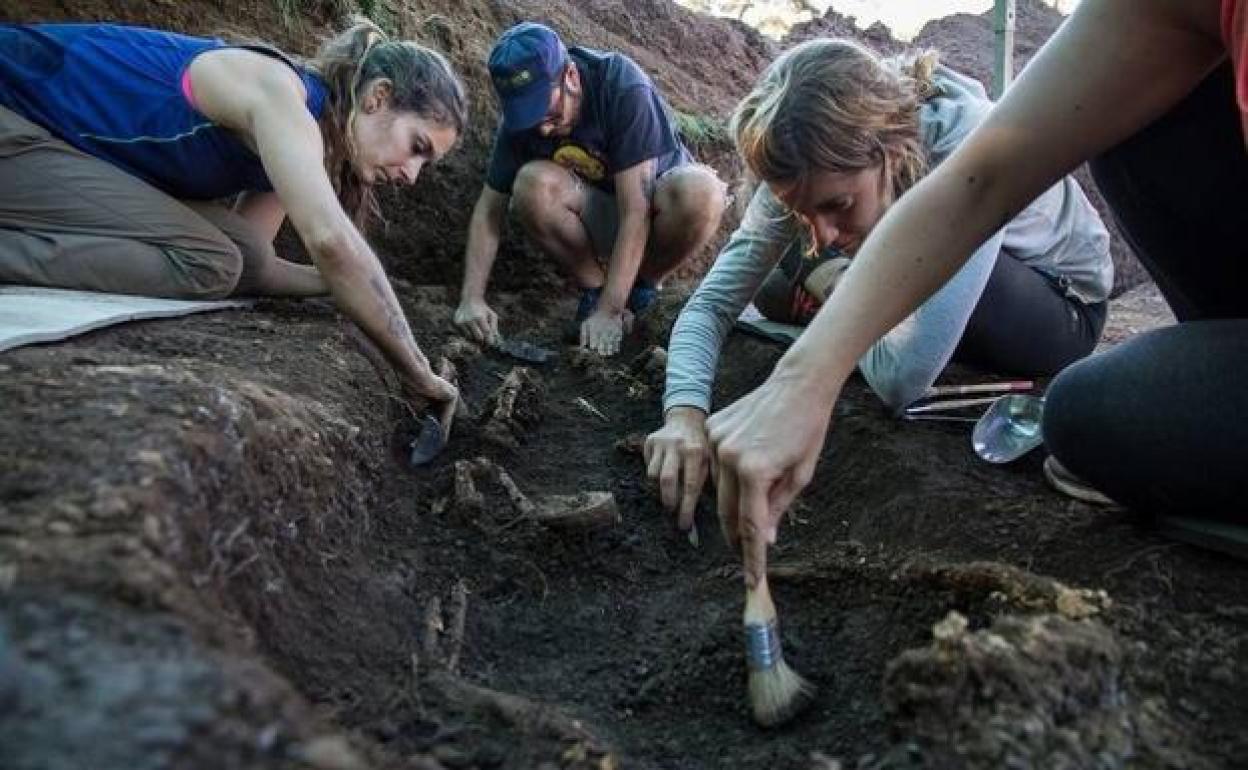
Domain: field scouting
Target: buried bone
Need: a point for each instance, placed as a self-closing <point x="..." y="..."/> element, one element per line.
<point x="583" y="511"/>
<point x="514" y="406"/>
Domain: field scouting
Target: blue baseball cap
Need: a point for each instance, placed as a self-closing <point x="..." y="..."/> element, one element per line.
<point x="524" y="65"/>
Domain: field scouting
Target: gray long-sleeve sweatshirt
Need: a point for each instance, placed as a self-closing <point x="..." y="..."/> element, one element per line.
<point x="1059" y="234"/>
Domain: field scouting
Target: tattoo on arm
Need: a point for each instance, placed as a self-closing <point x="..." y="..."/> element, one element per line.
<point x="396" y="324"/>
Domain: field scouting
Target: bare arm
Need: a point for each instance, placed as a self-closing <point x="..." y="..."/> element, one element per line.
<point x="263" y="101"/>
<point x="264" y="210"/>
<point x="484" y="232"/>
<point x="634" y="194"/>
<point x="1114" y="66"/>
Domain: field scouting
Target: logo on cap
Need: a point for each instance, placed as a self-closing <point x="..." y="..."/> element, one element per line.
<point x="518" y="80"/>
<point x="524" y="66"/>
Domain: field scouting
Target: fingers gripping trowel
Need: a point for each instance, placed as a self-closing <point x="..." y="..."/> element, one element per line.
<point x="524" y="351"/>
<point x="434" y="428"/>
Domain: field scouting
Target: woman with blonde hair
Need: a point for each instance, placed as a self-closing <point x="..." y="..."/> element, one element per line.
<point x="1155" y="94"/>
<point x="117" y="142"/>
<point x="836" y="136"/>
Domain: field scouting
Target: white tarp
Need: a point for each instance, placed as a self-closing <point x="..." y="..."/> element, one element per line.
<point x="30" y="314"/>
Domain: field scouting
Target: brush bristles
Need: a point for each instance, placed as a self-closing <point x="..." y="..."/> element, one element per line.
<point x="778" y="694"/>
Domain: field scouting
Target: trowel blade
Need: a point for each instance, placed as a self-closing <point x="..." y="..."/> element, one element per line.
<point x="525" y="351"/>
<point x="429" y="441"/>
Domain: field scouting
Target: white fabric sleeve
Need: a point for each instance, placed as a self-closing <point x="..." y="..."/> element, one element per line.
<point x="907" y="360"/>
<point x="766" y="230"/>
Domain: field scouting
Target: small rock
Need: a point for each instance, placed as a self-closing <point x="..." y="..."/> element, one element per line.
<point x="61" y="528"/>
<point x="108" y="506"/>
<point x="452" y="756"/>
<point x="459" y="350"/>
<point x="152" y="531"/>
<point x="952" y="628"/>
<point x="69" y="511"/>
<point x="149" y="457"/>
<point x="1071" y="605"/>
<point x="632" y="444"/>
<point x="330" y="752"/>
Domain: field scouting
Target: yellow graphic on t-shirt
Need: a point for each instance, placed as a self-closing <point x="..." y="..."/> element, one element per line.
<point x="577" y="159"/>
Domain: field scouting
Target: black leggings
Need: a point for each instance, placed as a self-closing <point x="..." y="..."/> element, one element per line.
<point x="1160" y="423"/>
<point x="1023" y="323"/>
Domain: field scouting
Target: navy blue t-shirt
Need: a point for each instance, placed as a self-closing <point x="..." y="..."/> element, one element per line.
<point x="115" y="92"/>
<point x="623" y="122"/>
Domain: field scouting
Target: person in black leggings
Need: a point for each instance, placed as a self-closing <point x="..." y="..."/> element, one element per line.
<point x="1160" y="422"/>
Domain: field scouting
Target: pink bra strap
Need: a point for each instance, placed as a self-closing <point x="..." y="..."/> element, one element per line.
<point x="187" y="91"/>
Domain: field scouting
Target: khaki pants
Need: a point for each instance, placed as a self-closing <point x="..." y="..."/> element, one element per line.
<point x="71" y="220"/>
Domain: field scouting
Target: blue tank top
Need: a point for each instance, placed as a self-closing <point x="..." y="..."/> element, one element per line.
<point x="115" y="92"/>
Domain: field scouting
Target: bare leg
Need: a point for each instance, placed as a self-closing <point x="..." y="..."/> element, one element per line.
<point x="688" y="203"/>
<point x="548" y="200"/>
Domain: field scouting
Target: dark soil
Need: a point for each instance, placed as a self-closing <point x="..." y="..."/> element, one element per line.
<point x="185" y="531"/>
<point x="212" y="553"/>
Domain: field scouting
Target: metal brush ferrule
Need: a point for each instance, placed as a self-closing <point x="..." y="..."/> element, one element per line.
<point x="762" y="645"/>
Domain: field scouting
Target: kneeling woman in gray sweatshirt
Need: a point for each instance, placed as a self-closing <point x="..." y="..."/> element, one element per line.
<point x="835" y="135"/>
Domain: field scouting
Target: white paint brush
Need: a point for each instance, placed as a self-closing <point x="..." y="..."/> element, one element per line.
<point x="777" y="692"/>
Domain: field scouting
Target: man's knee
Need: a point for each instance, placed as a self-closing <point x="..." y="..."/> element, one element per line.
<point x="539" y="185"/>
<point x="693" y="194"/>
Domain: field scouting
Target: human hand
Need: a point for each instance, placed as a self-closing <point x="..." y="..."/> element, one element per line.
<point x="477" y="320"/>
<point x="764" y="448"/>
<point x="604" y="330"/>
<point x="677" y="457"/>
<point x="431" y="387"/>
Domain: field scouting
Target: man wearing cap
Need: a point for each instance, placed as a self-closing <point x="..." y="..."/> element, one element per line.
<point x="589" y="159"/>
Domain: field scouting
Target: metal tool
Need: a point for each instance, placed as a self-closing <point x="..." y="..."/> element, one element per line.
<point x="1009" y="429"/>
<point x="429" y="441"/>
<point x="524" y="351"/>
<point x="982" y="387"/>
<point x="435" y="426"/>
<point x="945" y="406"/>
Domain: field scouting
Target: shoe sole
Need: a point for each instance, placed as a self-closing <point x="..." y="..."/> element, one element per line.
<point x="1067" y="485"/>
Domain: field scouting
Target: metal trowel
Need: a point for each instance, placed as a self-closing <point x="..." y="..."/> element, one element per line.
<point x="1009" y="429"/>
<point x="524" y="351"/>
<point x="429" y="441"/>
<point x="435" y="426"/>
